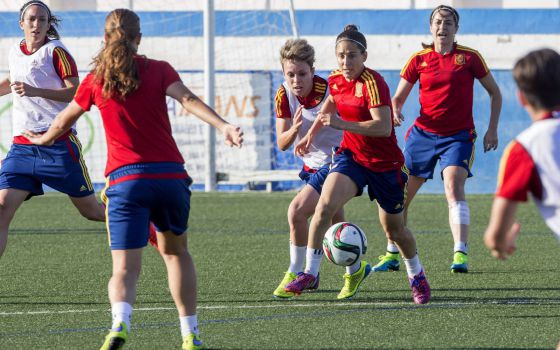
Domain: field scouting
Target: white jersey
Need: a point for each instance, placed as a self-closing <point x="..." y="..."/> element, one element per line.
<point x="321" y="148"/>
<point x="542" y="141"/>
<point x="34" y="113"/>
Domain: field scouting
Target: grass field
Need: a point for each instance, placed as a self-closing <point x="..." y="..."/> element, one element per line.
<point x="54" y="273"/>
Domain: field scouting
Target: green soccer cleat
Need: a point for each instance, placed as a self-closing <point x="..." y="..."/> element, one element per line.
<point x="460" y="263"/>
<point x="192" y="342"/>
<point x="353" y="281"/>
<point x="116" y="338"/>
<point x="279" y="292"/>
<point x="387" y="262"/>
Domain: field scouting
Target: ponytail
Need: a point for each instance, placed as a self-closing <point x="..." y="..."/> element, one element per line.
<point x="115" y="67"/>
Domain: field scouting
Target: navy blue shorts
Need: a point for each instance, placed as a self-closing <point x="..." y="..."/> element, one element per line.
<point x="423" y="149"/>
<point x="387" y="188"/>
<point x="140" y="193"/>
<point x="315" y="177"/>
<point x="60" y="166"/>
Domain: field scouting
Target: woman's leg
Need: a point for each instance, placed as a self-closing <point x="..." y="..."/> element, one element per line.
<point x="10" y="201"/>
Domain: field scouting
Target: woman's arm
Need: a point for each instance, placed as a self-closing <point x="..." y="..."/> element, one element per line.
<point x="379" y="126"/>
<point x="65" y="94"/>
<point x="491" y="137"/>
<point x="5" y="86"/>
<point x="287" y="129"/>
<point x="232" y="134"/>
<point x="403" y="90"/>
<point x="61" y="124"/>
<point x="502" y="231"/>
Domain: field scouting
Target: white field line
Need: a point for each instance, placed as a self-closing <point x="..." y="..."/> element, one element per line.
<point x="286" y="304"/>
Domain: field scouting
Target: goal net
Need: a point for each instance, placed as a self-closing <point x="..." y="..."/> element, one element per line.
<point x="247" y="75"/>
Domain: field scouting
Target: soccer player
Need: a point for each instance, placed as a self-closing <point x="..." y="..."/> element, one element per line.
<point x="147" y="177"/>
<point x="298" y="101"/>
<point x="368" y="155"/>
<point x="445" y="130"/>
<point x="42" y="80"/>
<point x="531" y="162"/>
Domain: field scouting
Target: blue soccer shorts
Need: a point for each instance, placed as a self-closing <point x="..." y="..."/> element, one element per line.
<point x="388" y="188"/>
<point x="315" y="177"/>
<point x="423" y="149"/>
<point x="60" y="166"/>
<point x="140" y="193"/>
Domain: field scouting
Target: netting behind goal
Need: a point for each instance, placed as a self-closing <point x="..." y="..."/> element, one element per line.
<point x="247" y="75"/>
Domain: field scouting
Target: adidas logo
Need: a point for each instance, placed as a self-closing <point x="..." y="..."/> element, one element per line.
<point x="424" y="64"/>
<point x="466" y="162"/>
<point x="334" y="87"/>
<point x="83" y="188"/>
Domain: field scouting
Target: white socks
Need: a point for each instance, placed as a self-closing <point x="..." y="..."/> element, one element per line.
<point x="461" y="247"/>
<point x="189" y="324"/>
<point x="413" y="266"/>
<point x="297" y="258"/>
<point x="121" y="311"/>
<point x="313" y="260"/>
<point x="392" y="247"/>
<point x="353" y="268"/>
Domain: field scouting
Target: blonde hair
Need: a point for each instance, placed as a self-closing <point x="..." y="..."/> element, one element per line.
<point x="114" y="67"/>
<point x="297" y="50"/>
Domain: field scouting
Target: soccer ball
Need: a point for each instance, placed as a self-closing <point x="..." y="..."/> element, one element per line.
<point x="344" y="243"/>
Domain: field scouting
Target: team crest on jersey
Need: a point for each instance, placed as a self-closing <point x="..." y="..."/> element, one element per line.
<point x="359" y="87"/>
<point x="459" y="59"/>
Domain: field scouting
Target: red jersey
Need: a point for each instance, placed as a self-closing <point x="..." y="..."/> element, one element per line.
<point x="446" y="87"/>
<point x="353" y="101"/>
<point x="137" y="128"/>
<point x="316" y="96"/>
<point x="518" y="174"/>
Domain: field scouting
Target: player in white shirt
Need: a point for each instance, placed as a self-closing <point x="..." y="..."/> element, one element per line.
<point x="531" y="162"/>
<point x="43" y="79"/>
<point x="297" y="102"/>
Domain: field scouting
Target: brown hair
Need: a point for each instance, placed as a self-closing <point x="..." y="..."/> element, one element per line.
<point x="297" y="50"/>
<point x="114" y="67"/>
<point x="447" y="8"/>
<point x="537" y="75"/>
<point x="52" y="33"/>
<point x="351" y="33"/>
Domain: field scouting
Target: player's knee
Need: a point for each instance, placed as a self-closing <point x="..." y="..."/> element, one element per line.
<point x="325" y="210"/>
<point x="173" y="250"/>
<point x="296" y="213"/>
<point x="94" y="213"/>
<point x="460" y="213"/>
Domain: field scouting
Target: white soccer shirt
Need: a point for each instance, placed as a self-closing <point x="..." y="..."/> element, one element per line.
<point x="34" y="113"/>
<point x="321" y="147"/>
<point x="542" y="141"/>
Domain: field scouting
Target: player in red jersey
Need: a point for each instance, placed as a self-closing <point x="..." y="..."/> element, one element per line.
<point x="147" y="178"/>
<point x="444" y="131"/>
<point x="298" y="102"/>
<point x="42" y="80"/>
<point x="368" y="156"/>
<point x="531" y="162"/>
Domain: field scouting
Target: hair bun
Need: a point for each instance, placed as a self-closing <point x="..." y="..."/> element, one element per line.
<point x="351" y="27"/>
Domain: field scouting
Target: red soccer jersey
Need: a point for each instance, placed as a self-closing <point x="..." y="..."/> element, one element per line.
<point x="518" y="174"/>
<point x="353" y="101"/>
<point x="446" y="87"/>
<point x="137" y="128"/>
<point x="317" y="94"/>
